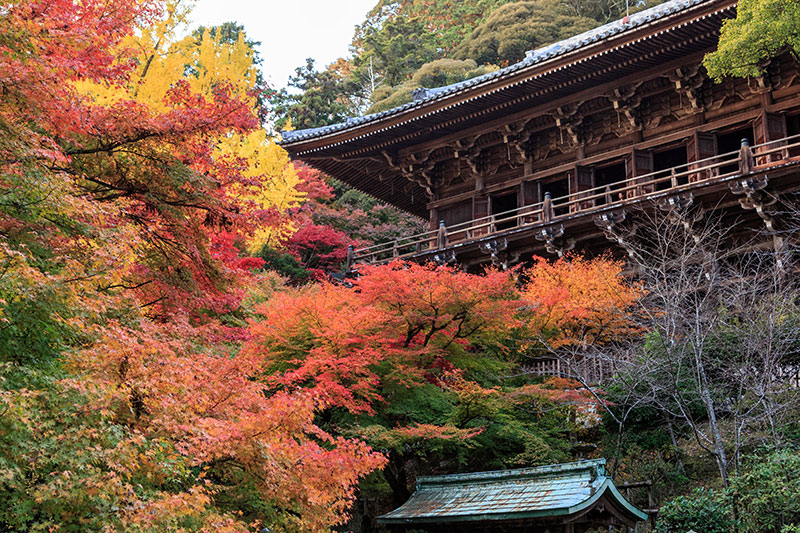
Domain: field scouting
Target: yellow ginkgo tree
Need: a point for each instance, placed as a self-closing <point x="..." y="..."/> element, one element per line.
<point x="266" y="187"/>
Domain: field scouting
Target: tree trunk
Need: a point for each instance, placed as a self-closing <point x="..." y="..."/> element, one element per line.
<point x="395" y="475"/>
<point x="719" y="446"/>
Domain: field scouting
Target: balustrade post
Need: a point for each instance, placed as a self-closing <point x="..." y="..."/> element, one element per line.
<point x="492" y="226"/>
<point x="745" y="158"/>
<point x="441" y="237"/>
<point x="395" y="249"/>
<point x="673" y="177"/>
<point x="547" y="208"/>
<point x="350" y="255"/>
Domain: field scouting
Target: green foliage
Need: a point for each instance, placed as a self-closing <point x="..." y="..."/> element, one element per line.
<point x="703" y="510"/>
<point x="400" y="36"/>
<point x="387" y="97"/>
<point x="321" y="99"/>
<point x="32" y="329"/>
<point x="604" y="10"/>
<point x="363" y="218"/>
<point x="61" y="461"/>
<point x="446" y="21"/>
<point x="761" y="30"/>
<point x="767" y="493"/>
<point x="400" y="47"/>
<point x="764" y="498"/>
<point x="284" y="264"/>
<point x="433" y="74"/>
<point x="512" y="29"/>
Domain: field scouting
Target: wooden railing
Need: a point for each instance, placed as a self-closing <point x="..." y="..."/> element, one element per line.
<point x="593" y="370"/>
<point x="663" y="182"/>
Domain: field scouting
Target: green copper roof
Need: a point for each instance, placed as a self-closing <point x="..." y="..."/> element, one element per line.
<point x="547" y="491"/>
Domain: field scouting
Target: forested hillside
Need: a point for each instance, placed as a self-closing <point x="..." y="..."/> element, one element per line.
<point x="406" y="44"/>
<point x="173" y="356"/>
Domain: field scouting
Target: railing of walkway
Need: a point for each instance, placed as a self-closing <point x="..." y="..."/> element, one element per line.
<point x="688" y="175"/>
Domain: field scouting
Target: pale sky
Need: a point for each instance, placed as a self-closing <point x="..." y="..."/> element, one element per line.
<point x="289" y="30"/>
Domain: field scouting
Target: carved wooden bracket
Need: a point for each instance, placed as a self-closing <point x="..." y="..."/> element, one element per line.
<point x="517" y="137"/>
<point x="498" y="253"/>
<point x="554" y="241"/>
<point x="755" y="197"/>
<point x="677" y="208"/>
<point x="568" y="122"/>
<point x="476" y="160"/>
<point x="426" y="170"/>
<point x="610" y="224"/>
<point x="416" y="168"/>
<point x="444" y="257"/>
<point x="462" y="150"/>
<point x="688" y="82"/>
<point x="545" y="143"/>
<point x="626" y="103"/>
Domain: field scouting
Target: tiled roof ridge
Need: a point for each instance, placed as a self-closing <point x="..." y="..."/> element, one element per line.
<point x="562" y="470"/>
<point x="424" y="96"/>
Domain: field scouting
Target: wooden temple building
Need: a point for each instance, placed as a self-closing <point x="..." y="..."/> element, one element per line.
<point x="549" y="154"/>
<point x="566" y="498"/>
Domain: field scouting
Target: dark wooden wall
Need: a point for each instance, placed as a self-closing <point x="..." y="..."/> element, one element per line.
<point x="578" y="144"/>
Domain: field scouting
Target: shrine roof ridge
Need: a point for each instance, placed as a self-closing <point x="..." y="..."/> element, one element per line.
<point x="558" y="470"/>
<point x="424" y="96"/>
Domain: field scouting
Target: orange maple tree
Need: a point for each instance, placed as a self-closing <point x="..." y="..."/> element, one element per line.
<point x="410" y="356"/>
<point x="579" y="301"/>
<point x="404" y="323"/>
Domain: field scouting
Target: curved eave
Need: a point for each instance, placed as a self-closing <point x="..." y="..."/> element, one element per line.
<point x="634" y="514"/>
<point x="389" y="191"/>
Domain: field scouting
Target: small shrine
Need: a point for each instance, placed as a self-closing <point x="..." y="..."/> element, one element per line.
<point x="565" y="498"/>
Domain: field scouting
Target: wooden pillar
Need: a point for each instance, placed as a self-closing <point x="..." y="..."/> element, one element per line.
<point x="745" y="158"/>
<point x="434" y="218"/>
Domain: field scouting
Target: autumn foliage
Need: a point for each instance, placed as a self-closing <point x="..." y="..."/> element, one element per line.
<point x="401" y="325"/>
<point x="410" y="357"/>
<point x="580" y="301"/>
<point x="153" y="376"/>
<point x="134" y="177"/>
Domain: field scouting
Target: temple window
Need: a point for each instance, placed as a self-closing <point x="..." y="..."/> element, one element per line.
<point x="612" y="177"/>
<point x="731" y="141"/>
<point x="502" y="203"/>
<point x="663" y="163"/>
<point x="558" y="188"/>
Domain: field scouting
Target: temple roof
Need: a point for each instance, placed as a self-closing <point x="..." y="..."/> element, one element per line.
<point x="532" y="493"/>
<point x="385" y="154"/>
<point x="425" y="96"/>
